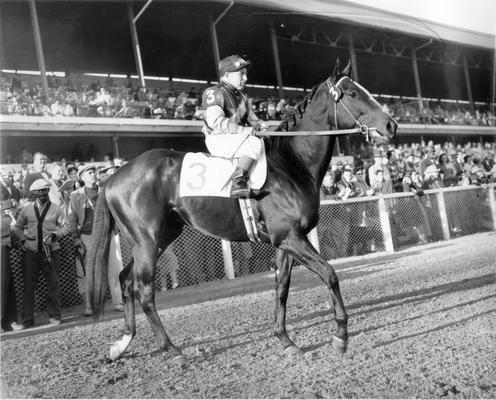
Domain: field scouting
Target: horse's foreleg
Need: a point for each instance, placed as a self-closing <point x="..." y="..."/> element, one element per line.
<point x="299" y="247"/>
<point x="284" y="263"/>
<point x="145" y="276"/>
<point x="127" y="285"/>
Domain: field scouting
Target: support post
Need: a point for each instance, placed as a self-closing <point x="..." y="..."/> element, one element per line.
<point x="468" y="84"/>
<point x="354" y="64"/>
<point x="277" y="62"/>
<point x="115" y="145"/>
<point x="213" y="35"/>
<point x="492" y="203"/>
<point x="136" y="47"/>
<point x="416" y="76"/>
<point x="385" y="226"/>
<point x="348" y="145"/>
<point x="443" y="215"/>
<point x="228" y="260"/>
<point x="39" y="46"/>
<point x="338" y="147"/>
<point x="215" y="46"/>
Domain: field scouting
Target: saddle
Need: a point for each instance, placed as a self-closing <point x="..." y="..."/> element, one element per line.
<point x="206" y="175"/>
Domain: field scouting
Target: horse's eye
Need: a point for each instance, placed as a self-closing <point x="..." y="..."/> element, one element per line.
<point x="352" y="93"/>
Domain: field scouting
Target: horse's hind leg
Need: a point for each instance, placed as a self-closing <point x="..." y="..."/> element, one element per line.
<point x="145" y="258"/>
<point x="304" y="252"/>
<point x="284" y="264"/>
<point x="127" y="285"/>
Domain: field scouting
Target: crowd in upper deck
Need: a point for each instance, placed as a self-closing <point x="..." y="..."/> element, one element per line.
<point x="21" y="96"/>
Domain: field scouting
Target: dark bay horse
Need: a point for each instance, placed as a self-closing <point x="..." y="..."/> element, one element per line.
<point x="142" y="201"/>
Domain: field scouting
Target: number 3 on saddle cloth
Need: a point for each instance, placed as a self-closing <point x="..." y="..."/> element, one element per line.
<point x="205" y="175"/>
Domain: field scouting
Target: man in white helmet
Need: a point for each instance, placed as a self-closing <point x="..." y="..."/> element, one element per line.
<point x="230" y="125"/>
<point x="39" y="227"/>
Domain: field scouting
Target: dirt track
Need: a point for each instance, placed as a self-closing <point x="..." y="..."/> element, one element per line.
<point x="422" y="324"/>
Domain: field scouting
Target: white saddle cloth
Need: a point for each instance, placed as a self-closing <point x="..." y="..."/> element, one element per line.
<point x="206" y="175"/>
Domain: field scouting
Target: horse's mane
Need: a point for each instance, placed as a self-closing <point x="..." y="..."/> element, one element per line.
<point x="281" y="156"/>
<point x="291" y="119"/>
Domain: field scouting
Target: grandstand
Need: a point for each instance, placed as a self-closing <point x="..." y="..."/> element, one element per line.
<point x="407" y="64"/>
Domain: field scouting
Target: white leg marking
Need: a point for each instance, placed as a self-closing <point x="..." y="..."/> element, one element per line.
<point x="120" y="347"/>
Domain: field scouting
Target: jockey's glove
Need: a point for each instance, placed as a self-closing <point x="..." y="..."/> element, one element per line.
<point x="260" y="126"/>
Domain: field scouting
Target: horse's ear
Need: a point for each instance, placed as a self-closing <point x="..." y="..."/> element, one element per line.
<point x="347" y="70"/>
<point x="337" y="70"/>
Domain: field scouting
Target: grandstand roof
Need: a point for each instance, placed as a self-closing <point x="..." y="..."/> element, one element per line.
<point x="363" y="15"/>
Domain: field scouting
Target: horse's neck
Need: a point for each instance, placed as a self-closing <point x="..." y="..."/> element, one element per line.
<point x="315" y="151"/>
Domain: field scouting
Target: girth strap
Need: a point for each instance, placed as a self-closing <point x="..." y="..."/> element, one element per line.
<point x="249" y="220"/>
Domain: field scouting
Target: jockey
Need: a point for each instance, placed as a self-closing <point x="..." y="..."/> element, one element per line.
<point x="230" y="125"/>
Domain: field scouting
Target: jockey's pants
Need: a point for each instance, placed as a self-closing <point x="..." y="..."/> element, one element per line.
<point x="234" y="146"/>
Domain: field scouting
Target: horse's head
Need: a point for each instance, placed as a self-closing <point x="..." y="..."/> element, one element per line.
<point x="354" y="106"/>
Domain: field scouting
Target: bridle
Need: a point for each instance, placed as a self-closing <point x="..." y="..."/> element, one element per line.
<point x="337" y="95"/>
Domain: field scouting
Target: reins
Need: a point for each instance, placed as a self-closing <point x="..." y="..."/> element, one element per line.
<point x="338" y="132"/>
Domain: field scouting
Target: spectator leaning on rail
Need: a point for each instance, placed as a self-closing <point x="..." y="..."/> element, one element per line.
<point x="38" y="228"/>
<point x="230" y="125"/>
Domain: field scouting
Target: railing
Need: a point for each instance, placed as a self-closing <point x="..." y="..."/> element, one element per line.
<point x="346" y="228"/>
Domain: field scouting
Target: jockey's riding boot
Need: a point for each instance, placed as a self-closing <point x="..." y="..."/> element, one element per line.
<point x="240" y="177"/>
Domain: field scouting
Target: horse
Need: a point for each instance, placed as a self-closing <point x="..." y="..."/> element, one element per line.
<point x="142" y="201"/>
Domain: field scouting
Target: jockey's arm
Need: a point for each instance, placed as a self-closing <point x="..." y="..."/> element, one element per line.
<point x="257" y="123"/>
<point x="217" y="121"/>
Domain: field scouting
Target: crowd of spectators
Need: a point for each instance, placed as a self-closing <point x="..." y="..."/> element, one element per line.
<point x="108" y="99"/>
<point x="415" y="168"/>
<point x="411" y="167"/>
<point x="72" y="188"/>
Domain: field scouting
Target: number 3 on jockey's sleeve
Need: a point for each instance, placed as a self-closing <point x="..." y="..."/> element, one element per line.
<point x="213" y="97"/>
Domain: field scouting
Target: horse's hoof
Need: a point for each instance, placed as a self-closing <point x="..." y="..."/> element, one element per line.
<point x="292" y="350"/>
<point x="339" y="344"/>
<point x="179" y="360"/>
<point x="115" y="352"/>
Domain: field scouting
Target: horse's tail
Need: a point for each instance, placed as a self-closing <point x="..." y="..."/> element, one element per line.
<point x="97" y="268"/>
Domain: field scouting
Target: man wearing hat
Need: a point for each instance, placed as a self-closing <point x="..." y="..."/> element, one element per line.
<point x="81" y="210"/>
<point x="229" y="123"/>
<point x="431" y="178"/>
<point x="346" y="186"/>
<point x="9" y="190"/>
<point x="38" y="228"/>
<point x="378" y="165"/>
<point x="38" y="172"/>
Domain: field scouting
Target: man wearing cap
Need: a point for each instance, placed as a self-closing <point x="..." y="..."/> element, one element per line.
<point x="229" y="123"/>
<point x="38" y="228"/>
<point x="81" y="210"/>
